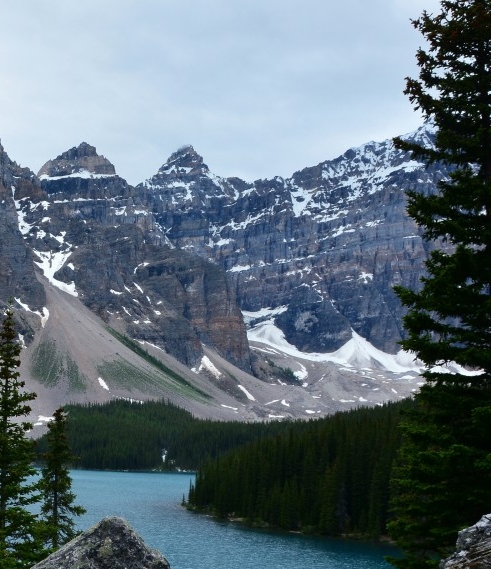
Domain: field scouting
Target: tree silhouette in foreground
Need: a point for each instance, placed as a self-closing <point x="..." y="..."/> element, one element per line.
<point x="58" y="508"/>
<point x="442" y="481"/>
<point x="20" y="545"/>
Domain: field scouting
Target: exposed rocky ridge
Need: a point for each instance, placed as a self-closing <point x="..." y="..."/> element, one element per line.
<point x="338" y="229"/>
<point x="17" y="274"/>
<point x="110" y="544"/>
<point x="473" y="548"/>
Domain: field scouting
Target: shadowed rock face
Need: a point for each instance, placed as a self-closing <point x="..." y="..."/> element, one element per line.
<point x="103" y="243"/>
<point x="111" y="544"/>
<point x="17" y="269"/>
<point x="339" y="229"/>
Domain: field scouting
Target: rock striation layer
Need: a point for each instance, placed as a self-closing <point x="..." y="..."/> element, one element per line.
<point x="91" y="234"/>
<point x="111" y="544"/>
<point x="17" y="268"/>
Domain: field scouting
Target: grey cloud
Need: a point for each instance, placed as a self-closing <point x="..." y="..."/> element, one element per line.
<point x="258" y="87"/>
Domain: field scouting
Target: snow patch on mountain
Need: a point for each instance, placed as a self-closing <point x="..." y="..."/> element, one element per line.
<point x="356" y="353"/>
<point x="250" y="317"/>
<point x="52" y="261"/>
<point x="44" y="316"/>
<point x="102" y="383"/>
<point x="247" y="394"/>
<point x="79" y="174"/>
<point x="207" y="365"/>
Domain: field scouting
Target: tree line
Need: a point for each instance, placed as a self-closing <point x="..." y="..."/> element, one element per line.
<point x="151" y="435"/>
<point x="327" y="475"/>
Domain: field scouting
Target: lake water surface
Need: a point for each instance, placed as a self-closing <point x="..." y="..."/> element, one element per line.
<point x="151" y="503"/>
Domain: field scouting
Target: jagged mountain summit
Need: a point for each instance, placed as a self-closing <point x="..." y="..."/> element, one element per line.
<point x="267" y="299"/>
<point x="79" y="162"/>
<point x="121" y="264"/>
<point x="322" y="249"/>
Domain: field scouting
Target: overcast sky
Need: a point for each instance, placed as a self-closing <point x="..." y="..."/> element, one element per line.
<point x="258" y="87"/>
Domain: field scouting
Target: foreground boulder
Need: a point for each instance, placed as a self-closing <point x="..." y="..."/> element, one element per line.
<point x="473" y="549"/>
<point x="111" y="544"/>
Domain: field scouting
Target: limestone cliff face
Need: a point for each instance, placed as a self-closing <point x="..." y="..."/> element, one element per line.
<point x="327" y="245"/>
<point x="90" y="234"/>
<point x="172" y="260"/>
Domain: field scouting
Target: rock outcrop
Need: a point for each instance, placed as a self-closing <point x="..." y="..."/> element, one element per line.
<point x="83" y="158"/>
<point x="473" y="548"/>
<point x="111" y="544"/>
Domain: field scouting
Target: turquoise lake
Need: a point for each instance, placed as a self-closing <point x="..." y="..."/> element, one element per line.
<point x="151" y="503"/>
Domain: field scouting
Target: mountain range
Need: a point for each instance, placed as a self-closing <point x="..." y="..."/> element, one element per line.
<point x="234" y="299"/>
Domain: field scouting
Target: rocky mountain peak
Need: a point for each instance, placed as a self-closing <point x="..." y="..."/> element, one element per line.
<point x="184" y="160"/>
<point x="185" y="180"/>
<point x="175" y="262"/>
<point x="78" y="161"/>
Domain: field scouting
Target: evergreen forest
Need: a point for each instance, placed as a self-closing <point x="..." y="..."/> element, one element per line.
<point x="152" y="435"/>
<point x="329" y="476"/>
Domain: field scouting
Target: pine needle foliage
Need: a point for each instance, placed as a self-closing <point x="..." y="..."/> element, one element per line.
<point x="126" y="435"/>
<point x="327" y="476"/>
<point x="443" y="477"/>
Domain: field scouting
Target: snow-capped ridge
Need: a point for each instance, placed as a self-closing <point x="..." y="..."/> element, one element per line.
<point x="80" y="173"/>
<point x="424" y="135"/>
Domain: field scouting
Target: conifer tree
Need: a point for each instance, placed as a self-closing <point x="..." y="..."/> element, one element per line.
<point x="19" y="542"/>
<point x="443" y="478"/>
<point x="58" y="506"/>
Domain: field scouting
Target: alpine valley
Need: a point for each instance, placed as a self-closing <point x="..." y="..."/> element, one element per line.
<point x="234" y="300"/>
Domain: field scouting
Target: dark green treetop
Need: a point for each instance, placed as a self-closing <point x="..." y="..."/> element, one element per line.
<point x="449" y="319"/>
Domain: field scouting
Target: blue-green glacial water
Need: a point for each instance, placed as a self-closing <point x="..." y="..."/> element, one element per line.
<point x="151" y="503"/>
